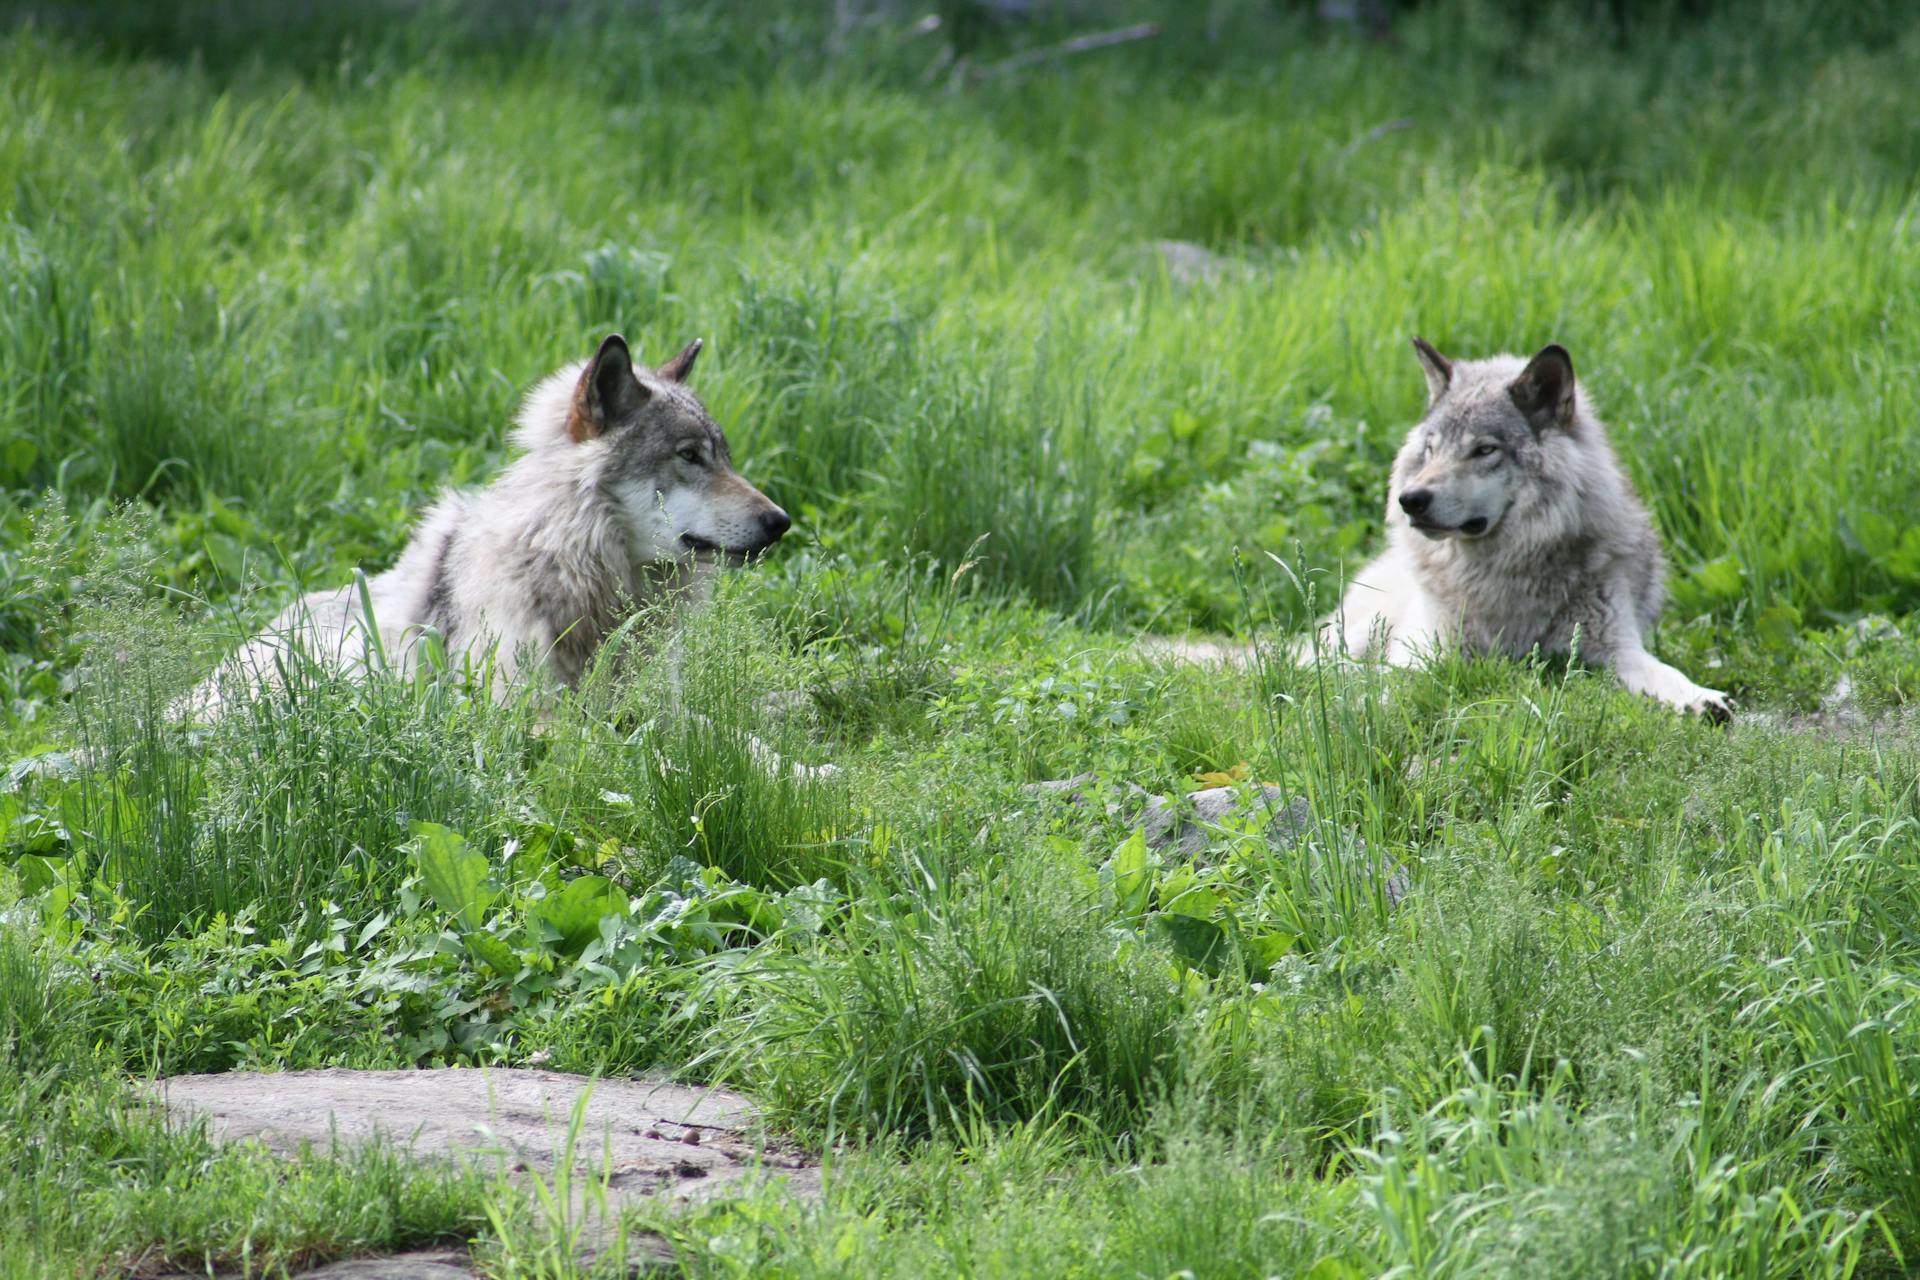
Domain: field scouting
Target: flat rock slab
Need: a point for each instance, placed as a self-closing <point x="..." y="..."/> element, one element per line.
<point x="645" y="1138"/>
<point x="427" y="1264"/>
<point x="415" y="1264"/>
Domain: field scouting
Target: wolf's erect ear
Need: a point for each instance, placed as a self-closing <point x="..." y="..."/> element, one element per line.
<point x="1438" y="368"/>
<point x="677" y="369"/>
<point x="1544" y="390"/>
<point x="607" y="392"/>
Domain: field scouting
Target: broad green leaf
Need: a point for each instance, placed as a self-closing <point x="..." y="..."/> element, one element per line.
<point x="455" y="875"/>
<point x="1133" y="874"/>
<point x="1202" y="944"/>
<point x="572" y="916"/>
<point x="372" y="929"/>
<point x="1202" y="902"/>
<point x="1268" y="948"/>
<point x="56" y="912"/>
<point x="1175" y="881"/>
<point x="1718" y="580"/>
<point x="493" y="953"/>
<point x="38" y="873"/>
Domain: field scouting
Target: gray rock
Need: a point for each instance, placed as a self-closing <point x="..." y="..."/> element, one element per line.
<point x="1186" y="825"/>
<point x="638" y="1138"/>
<point x="429" y="1264"/>
<point x="1187" y="263"/>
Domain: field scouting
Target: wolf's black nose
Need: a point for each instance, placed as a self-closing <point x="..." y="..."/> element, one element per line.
<point x="1416" y="501"/>
<point x="775" y="523"/>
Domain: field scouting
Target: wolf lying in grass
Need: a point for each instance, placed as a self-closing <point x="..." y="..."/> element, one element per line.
<point x="1510" y="527"/>
<point x="625" y="497"/>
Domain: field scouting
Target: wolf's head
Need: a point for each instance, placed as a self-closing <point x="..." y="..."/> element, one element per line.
<point x="663" y="461"/>
<point x="1490" y="425"/>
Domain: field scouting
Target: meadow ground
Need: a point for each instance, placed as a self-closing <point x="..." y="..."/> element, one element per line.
<point x="1650" y="1006"/>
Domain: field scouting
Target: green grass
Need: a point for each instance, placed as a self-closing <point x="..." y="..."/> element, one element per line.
<point x="267" y="282"/>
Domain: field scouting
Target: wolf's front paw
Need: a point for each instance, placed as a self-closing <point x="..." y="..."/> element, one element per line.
<point x="1711" y="704"/>
<point x="1325" y="643"/>
<point x="1645" y="674"/>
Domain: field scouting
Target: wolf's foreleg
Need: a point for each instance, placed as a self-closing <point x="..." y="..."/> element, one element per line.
<point x="1412" y="631"/>
<point x="1643" y="673"/>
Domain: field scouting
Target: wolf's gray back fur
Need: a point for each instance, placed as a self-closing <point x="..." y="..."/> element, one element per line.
<point x="1511" y="526"/>
<point x="625" y="495"/>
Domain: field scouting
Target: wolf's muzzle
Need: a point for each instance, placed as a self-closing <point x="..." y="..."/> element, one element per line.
<point x="773" y="525"/>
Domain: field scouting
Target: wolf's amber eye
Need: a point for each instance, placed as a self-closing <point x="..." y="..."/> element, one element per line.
<point x="691" y="453"/>
<point x="1486" y="451"/>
